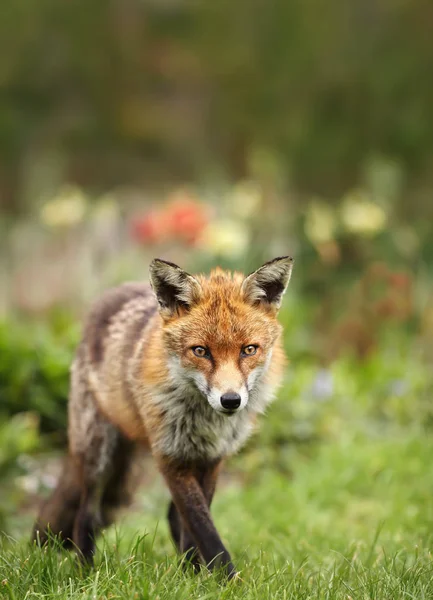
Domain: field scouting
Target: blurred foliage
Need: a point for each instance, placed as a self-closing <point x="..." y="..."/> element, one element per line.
<point x="101" y="240"/>
<point x="388" y="392"/>
<point x="19" y="435"/>
<point x="34" y="380"/>
<point x="134" y="91"/>
<point x="34" y="370"/>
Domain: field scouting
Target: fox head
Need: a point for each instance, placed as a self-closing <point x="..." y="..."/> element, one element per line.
<point x="219" y="331"/>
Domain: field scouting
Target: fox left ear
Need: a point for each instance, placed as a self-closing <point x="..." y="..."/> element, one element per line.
<point x="269" y="283"/>
<point x="174" y="288"/>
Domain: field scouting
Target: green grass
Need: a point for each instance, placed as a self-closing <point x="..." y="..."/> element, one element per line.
<point x="333" y="499"/>
<point x="354" y="521"/>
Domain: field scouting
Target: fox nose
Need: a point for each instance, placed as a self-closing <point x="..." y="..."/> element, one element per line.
<point x="230" y="401"/>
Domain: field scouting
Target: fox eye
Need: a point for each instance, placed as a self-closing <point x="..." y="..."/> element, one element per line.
<point x="249" y="350"/>
<point x="200" y="351"/>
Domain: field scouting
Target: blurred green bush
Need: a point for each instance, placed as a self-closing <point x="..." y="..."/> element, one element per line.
<point x="34" y="369"/>
<point x="148" y="90"/>
<point x="19" y="435"/>
<point x="386" y="394"/>
<point x="34" y="374"/>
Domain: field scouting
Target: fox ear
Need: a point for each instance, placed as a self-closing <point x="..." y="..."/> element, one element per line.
<point x="174" y="288"/>
<point x="268" y="284"/>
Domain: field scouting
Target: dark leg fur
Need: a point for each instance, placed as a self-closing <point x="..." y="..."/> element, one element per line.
<point x="86" y="527"/>
<point x="58" y="513"/>
<point x="116" y="493"/>
<point x="182" y="538"/>
<point x="207" y="478"/>
<point x="85" y="498"/>
<point x="101" y="495"/>
<point x="192" y="492"/>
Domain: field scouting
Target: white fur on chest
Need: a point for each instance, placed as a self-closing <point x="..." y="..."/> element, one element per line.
<point x="192" y="430"/>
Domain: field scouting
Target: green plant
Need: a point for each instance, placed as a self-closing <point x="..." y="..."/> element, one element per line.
<point x="34" y="369"/>
<point x="18" y="435"/>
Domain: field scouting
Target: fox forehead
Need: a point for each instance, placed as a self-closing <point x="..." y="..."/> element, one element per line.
<point x="222" y="319"/>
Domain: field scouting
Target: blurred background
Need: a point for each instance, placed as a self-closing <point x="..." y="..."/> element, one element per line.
<point x="218" y="133"/>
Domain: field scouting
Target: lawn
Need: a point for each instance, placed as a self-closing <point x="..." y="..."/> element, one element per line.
<point x="352" y="518"/>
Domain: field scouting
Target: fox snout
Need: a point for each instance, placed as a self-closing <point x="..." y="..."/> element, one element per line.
<point x="230" y="401"/>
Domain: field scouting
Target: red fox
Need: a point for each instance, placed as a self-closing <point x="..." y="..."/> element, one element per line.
<point x="182" y="367"/>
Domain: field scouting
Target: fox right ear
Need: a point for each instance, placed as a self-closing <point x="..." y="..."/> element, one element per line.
<point x="268" y="284"/>
<point x="173" y="287"/>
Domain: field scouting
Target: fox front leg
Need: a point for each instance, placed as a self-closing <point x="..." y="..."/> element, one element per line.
<point x="182" y="538"/>
<point x="192" y="504"/>
<point x="207" y="478"/>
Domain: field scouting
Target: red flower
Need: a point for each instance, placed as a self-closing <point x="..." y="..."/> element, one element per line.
<point x="148" y="229"/>
<point x="186" y="219"/>
<point x="182" y="219"/>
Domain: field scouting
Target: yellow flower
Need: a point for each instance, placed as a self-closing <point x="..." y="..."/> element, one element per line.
<point x="66" y="209"/>
<point x="320" y="222"/>
<point x="225" y="237"/>
<point x="361" y="215"/>
<point x="244" y="199"/>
